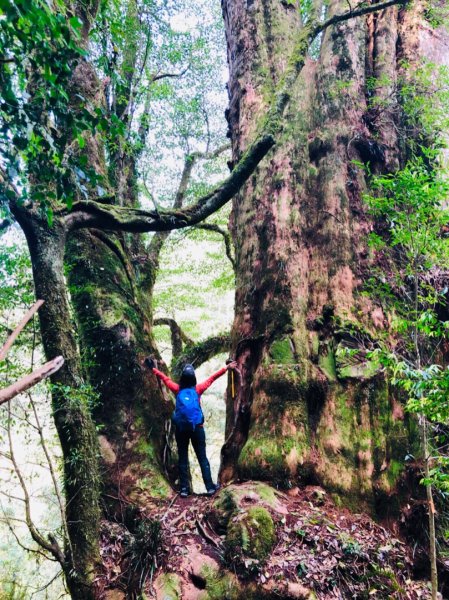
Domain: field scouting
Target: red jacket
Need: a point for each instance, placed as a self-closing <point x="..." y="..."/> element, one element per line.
<point x="200" y="387"/>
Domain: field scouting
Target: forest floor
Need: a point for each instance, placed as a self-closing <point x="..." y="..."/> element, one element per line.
<point x="321" y="551"/>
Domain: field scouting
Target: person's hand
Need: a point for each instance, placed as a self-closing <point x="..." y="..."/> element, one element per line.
<point x="232" y="365"/>
<point x="149" y="363"/>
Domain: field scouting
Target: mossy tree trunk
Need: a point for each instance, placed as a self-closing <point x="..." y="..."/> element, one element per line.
<point x="110" y="414"/>
<point x="111" y="276"/>
<point x="70" y="406"/>
<point x="304" y="413"/>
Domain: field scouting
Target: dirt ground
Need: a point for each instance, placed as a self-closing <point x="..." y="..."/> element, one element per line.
<point x="321" y="552"/>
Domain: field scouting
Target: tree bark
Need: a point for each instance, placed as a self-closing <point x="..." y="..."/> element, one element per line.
<point x="304" y="412"/>
<point x="73" y="421"/>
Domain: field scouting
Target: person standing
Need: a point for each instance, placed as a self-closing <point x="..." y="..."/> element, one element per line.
<point x="189" y="421"/>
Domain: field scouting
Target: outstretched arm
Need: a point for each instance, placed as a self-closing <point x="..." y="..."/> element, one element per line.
<point x="202" y="387"/>
<point x="172" y="386"/>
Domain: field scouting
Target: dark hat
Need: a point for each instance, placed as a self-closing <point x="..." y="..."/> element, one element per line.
<point x="188" y="377"/>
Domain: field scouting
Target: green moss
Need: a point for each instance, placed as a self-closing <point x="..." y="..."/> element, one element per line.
<point x="294" y="217"/>
<point x="281" y="352"/>
<point x="394" y="471"/>
<point x="326" y="362"/>
<point x="155" y="484"/>
<point x="315" y="344"/>
<point x="277" y="458"/>
<point x="282" y="384"/>
<point x="265" y="493"/>
<point x="233" y="500"/>
<point x="169" y="585"/>
<point x="251" y="534"/>
<point x="361" y="370"/>
<point x="313" y="171"/>
<point x="219" y="585"/>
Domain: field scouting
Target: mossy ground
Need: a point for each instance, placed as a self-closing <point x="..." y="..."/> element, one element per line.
<point x="309" y="548"/>
<point x="250" y="534"/>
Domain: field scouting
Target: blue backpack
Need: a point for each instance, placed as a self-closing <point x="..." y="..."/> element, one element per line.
<point x="188" y="413"/>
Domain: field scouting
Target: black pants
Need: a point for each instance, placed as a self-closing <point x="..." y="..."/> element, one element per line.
<point x="198" y="439"/>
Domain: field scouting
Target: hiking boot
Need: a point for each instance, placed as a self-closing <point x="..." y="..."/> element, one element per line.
<point x="212" y="490"/>
<point x="184" y="493"/>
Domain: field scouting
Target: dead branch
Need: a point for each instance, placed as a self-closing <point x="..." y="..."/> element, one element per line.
<point x="30" y="380"/>
<point x="12" y="338"/>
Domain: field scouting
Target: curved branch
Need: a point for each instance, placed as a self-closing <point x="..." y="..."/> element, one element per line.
<point x="178" y="337"/>
<point x="224" y="234"/>
<point x="202" y="352"/>
<point x="117" y="218"/>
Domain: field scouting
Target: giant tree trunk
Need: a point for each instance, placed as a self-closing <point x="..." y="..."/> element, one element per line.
<point x="304" y="412"/>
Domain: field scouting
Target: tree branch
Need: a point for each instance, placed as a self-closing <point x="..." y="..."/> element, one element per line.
<point x="159" y="76"/>
<point x="12" y="338"/>
<point x="359" y="11"/>
<point x="202" y="352"/>
<point x="99" y="215"/>
<point x="224" y="234"/>
<point x="178" y="337"/>
<point x="211" y="155"/>
<point x="28" y="381"/>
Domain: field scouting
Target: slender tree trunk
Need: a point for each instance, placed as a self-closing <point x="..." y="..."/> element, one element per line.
<point x="71" y="410"/>
<point x="304" y="411"/>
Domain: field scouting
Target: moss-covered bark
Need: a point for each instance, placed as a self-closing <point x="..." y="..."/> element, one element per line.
<point x="70" y="405"/>
<point x="115" y="334"/>
<point x="302" y="412"/>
